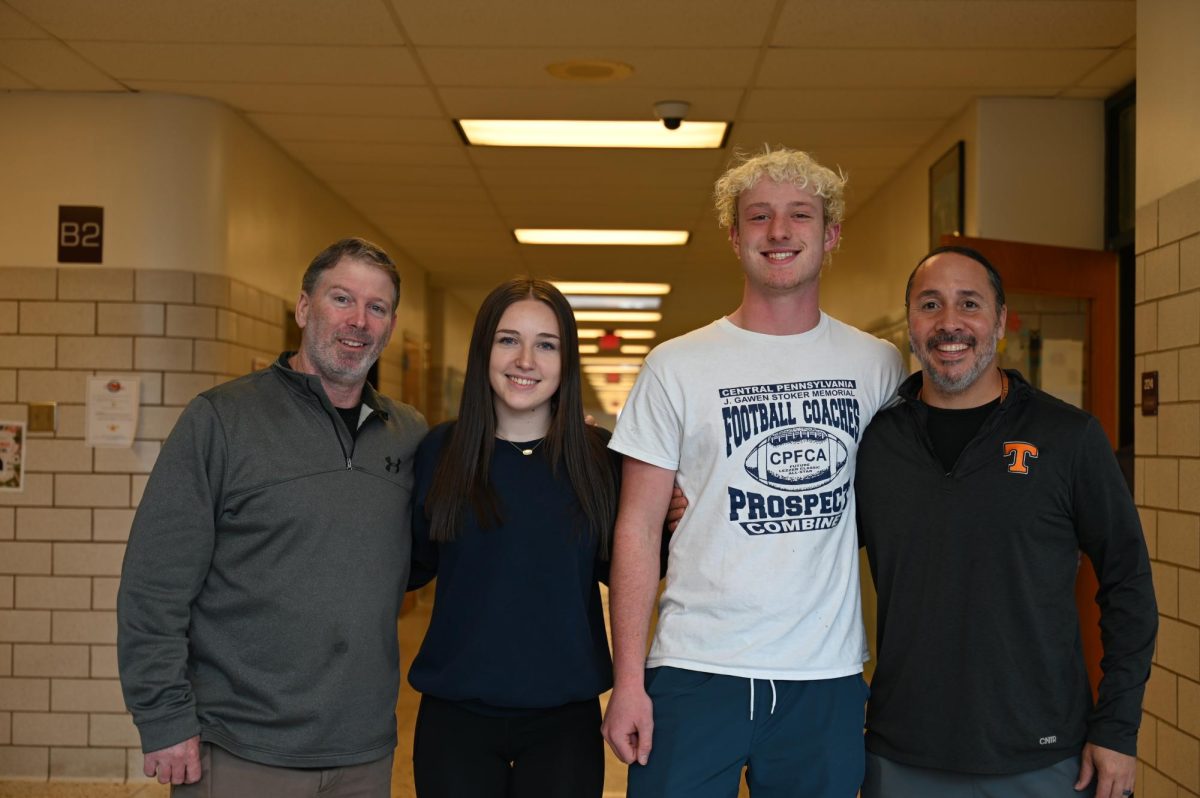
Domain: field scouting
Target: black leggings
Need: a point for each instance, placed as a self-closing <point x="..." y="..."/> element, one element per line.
<point x="553" y="753"/>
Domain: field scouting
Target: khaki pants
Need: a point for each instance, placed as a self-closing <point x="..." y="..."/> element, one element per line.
<point x="228" y="776"/>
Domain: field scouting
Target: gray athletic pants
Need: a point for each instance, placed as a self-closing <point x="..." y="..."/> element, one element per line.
<point x="229" y="776"/>
<point x="888" y="779"/>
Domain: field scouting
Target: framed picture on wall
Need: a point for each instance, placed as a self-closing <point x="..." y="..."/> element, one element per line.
<point x="946" y="195"/>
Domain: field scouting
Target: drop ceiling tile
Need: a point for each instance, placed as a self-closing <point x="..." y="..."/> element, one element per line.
<point x="777" y="105"/>
<point x="14" y="25"/>
<point x="349" y="22"/>
<point x="343" y="152"/>
<point x="10" y="81"/>
<point x="367" y="129"/>
<point x="435" y="201"/>
<point x="679" y="70"/>
<point x="935" y="23"/>
<point x="50" y="65"/>
<point x="403" y="188"/>
<point x="386" y="173"/>
<point x="977" y="70"/>
<point x="247" y="63"/>
<point x="596" y="102"/>
<point x="398" y="101"/>
<point x="1115" y="73"/>
<point x="533" y="23"/>
<point x="593" y="195"/>
<point x="582" y="179"/>
<point x="815" y="133"/>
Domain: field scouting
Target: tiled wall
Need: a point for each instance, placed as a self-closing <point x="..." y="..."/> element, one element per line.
<point x="1167" y="485"/>
<point x="63" y="538"/>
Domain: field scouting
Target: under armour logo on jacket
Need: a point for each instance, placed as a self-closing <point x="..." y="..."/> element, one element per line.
<point x="393" y="467"/>
<point x="1018" y="454"/>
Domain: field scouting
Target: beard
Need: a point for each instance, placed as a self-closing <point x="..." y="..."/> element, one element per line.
<point x="985" y="356"/>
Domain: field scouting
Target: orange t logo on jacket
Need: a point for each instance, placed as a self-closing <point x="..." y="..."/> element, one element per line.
<point x="1019" y="453"/>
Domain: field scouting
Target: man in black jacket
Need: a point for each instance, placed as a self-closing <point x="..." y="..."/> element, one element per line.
<point x="976" y="494"/>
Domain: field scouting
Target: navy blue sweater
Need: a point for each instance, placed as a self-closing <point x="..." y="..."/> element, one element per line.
<point x="517" y="620"/>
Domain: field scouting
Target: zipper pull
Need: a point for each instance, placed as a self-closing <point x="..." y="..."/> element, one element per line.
<point x="349" y="465"/>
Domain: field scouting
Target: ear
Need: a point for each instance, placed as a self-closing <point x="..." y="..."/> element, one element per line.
<point x="833" y="234"/>
<point x="302" y="311"/>
<point x="1002" y="322"/>
<point x="734" y="239"/>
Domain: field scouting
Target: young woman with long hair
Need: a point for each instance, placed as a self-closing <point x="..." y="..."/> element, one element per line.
<point x="514" y="509"/>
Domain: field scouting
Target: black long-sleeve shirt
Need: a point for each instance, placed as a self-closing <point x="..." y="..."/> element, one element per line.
<point x="517" y="619"/>
<point x="980" y="662"/>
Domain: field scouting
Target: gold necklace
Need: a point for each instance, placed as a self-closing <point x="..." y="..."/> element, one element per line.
<point x="525" y="452"/>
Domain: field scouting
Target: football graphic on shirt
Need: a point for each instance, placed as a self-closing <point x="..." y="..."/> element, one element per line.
<point x="797" y="458"/>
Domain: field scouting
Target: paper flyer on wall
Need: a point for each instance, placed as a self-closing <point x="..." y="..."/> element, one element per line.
<point x="111" y="416"/>
<point x="12" y="456"/>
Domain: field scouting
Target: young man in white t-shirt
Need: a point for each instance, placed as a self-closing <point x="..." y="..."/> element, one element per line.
<point x="757" y="658"/>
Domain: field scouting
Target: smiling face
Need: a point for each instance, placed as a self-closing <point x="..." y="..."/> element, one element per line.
<point x="347" y="320"/>
<point x="780" y="236"/>
<point x="954" y="328"/>
<point x="525" y="368"/>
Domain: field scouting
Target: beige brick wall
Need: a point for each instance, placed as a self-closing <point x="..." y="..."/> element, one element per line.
<point x="1167" y="477"/>
<point x="63" y="538"/>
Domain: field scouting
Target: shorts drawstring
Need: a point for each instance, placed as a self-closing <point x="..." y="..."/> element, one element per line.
<point x="773" y="697"/>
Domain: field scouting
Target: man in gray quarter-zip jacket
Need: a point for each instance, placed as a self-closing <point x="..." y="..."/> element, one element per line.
<point x="268" y="559"/>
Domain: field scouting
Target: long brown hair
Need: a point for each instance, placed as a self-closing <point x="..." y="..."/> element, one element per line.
<point x="462" y="471"/>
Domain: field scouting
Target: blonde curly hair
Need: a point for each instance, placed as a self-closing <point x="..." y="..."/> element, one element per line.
<point x="782" y="165"/>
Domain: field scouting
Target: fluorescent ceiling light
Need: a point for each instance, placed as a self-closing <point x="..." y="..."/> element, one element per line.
<point x="638" y="289"/>
<point x="610" y="238"/>
<point x="618" y="368"/>
<point x="612" y="361"/>
<point x="634" y="349"/>
<point x="606" y="134"/>
<point x="618" y="315"/>
<point x="588" y="349"/>
<point x="628" y="335"/>
<point x="614" y="302"/>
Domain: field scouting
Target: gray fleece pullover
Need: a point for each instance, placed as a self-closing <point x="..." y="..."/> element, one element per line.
<point x="264" y="573"/>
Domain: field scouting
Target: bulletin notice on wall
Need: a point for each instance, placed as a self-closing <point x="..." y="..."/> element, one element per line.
<point x="111" y="416"/>
<point x="12" y="456"/>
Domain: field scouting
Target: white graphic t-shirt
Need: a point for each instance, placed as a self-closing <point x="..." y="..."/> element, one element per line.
<point x="762" y="431"/>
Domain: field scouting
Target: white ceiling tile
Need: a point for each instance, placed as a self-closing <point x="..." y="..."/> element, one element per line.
<point x="404" y="188"/>
<point x="14" y="25"/>
<point x="48" y="64"/>
<point x="774" y="105"/>
<point x="386" y="173"/>
<point x="815" y="133"/>
<point x="400" y="101"/>
<point x="371" y="66"/>
<point x="438" y="199"/>
<point x="526" y="67"/>
<point x="584" y="179"/>
<point x="605" y="216"/>
<point x="591" y="102"/>
<point x="535" y="23"/>
<point x="369" y="129"/>
<point x="591" y="194"/>
<point x="343" y="152"/>
<point x="10" y="81"/>
<point x="977" y="70"/>
<point x="350" y="22"/>
<point x="1118" y="71"/>
<point x="936" y="23"/>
